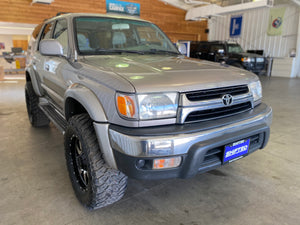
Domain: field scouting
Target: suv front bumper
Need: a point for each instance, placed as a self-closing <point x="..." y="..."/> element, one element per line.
<point x="201" y="145"/>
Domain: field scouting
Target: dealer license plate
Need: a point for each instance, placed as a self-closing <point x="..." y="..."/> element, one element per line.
<point x="236" y="150"/>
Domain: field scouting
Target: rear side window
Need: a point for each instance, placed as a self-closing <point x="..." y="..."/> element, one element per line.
<point x="47" y="31"/>
<point x="203" y="48"/>
<point x="61" y="34"/>
<point x="217" y="48"/>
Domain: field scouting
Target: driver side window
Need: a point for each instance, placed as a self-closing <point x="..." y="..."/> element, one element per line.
<point x="61" y="34"/>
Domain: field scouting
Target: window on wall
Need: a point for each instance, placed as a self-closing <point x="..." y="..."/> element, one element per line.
<point x="61" y="34"/>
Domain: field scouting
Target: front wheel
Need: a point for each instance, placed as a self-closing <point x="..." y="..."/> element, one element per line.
<point x="95" y="184"/>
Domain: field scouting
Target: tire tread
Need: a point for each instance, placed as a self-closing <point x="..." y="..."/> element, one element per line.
<point x="108" y="185"/>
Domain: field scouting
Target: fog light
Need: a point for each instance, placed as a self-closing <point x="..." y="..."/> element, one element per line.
<point x="166" y="163"/>
<point x="140" y="163"/>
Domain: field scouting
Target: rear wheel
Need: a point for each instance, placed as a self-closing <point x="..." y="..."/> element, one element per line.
<point x="36" y="116"/>
<point x="95" y="184"/>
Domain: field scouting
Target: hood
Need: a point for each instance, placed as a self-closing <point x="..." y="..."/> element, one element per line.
<point x="251" y="55"/>
<point x="157" y="73"/>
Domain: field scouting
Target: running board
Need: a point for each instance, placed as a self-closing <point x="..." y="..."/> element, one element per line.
<point x="56" y="118"/>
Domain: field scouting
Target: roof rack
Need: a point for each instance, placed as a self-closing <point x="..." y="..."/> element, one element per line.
<point x="58" y="14"/>
<point x="61" y="13"/>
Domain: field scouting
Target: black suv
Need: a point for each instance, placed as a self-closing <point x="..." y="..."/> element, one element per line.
<point x="228" y="52"/>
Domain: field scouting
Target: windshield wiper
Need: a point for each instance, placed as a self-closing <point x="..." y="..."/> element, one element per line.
<point x="158" y="51"/>
<point x="117" y="51"/>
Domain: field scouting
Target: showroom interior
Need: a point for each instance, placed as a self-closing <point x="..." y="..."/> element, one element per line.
<point x="262" y="188"/>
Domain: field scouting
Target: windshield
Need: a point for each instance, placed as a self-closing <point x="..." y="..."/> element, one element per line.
<point x="234" y="48"/>
<point x="98" y="35"/>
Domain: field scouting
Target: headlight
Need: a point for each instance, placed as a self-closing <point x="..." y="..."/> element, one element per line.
<point x="260" y="60"/>
<point x="157" y="106"/>
<point x="255" y="88"/>
<point x="147" y="106"/>
<point x="247" y="59"/>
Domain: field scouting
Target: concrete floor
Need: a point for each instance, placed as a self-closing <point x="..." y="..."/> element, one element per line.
<point x="263" y="188"/>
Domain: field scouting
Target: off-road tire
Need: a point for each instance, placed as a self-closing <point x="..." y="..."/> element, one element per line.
<point x="96" y="185"/>
<point x="36" y="116"/>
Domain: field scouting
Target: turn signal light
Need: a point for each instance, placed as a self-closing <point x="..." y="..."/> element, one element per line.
<point x="166" y="163"/>
<point x="126" y="106"/>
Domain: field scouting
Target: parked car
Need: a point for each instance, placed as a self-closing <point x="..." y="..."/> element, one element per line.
<point x="130" y="105"/>
<point x="230" y="53"/>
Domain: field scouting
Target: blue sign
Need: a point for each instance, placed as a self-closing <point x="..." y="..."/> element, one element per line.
<point x="237" y="150"/>
<point x="128" y="8"/>
<point x="235" y="26"/>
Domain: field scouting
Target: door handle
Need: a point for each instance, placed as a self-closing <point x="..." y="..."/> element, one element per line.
<point x="47" y="67"/>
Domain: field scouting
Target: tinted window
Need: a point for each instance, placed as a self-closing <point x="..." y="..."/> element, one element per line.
<point x="203" y="48"/>
<point x="235" y="48"/>
<point x="61" y="34"/>
<point x="216" y="48"/>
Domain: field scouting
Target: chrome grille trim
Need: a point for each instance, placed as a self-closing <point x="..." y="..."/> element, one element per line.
<point x="213" y="93"/>
<point x="186" y="106"/>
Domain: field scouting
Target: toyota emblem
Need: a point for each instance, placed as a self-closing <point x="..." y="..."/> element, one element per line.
<point x="227" y="99"/>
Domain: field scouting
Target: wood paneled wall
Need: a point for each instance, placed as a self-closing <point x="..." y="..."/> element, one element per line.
<point x="168" y="18"/>
<point x="21" y="44"/>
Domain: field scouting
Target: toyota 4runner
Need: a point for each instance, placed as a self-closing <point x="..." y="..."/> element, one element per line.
<point x="129" y="105"/>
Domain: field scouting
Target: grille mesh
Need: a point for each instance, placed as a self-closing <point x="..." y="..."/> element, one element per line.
<point x="218" y="112"/>
<point x="216" y="93"/>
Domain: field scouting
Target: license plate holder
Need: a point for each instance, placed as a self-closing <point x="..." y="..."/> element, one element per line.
<point x="236" y="150"/>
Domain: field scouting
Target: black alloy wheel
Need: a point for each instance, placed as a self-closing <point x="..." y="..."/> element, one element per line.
<point x="80" y="163"/>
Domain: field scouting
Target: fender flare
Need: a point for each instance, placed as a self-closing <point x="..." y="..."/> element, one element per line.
<point x="88" y="100"/>
<point x="30" y="71"/>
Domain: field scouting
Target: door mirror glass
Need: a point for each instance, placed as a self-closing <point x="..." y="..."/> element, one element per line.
<point x="51" y="47"/>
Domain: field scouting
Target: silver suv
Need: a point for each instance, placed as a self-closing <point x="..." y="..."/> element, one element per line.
<point x="129" y="105"/>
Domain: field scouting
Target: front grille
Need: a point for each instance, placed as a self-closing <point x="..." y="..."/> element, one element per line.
<point x="214" y="157"/>
<point x="218" y="112"/>
<point x="216" y="93"/>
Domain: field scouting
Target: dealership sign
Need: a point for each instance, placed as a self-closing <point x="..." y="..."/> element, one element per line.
<point x="235" y="26"/>
<point x="128" y="8"/>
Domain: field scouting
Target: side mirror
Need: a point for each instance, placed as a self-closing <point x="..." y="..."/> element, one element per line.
<point x="51" y="47"/>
